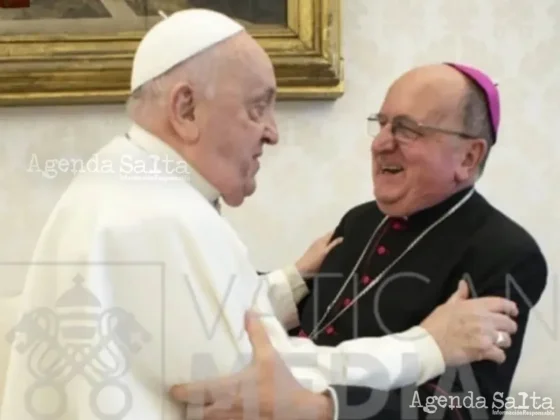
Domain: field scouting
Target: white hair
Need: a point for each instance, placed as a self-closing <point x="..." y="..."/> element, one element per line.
<point x="201" y="71"/>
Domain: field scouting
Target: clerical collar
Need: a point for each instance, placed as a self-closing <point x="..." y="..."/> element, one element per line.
<point x="155" y="146"/>
<point x="432" y="213"/>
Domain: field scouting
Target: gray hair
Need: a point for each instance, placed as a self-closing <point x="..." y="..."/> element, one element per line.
<point x="476" y="118"/>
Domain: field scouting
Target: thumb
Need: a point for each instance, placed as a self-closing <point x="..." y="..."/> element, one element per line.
<point x="334" y="243"/>
<point x="258" y="336"/>
<point x="327" y="237"/>
<point x="461" y="293"/>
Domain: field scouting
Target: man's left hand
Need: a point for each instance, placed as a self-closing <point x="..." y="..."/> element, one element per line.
<point x="265" y="389"/>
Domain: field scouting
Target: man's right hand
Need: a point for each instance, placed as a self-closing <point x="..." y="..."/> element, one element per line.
<point x="266" y="389"/>
<point x="469" y="330"/>
<point x="311" y="260"/>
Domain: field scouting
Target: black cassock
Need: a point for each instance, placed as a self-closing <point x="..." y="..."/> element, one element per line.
<point x="477" y="243"/>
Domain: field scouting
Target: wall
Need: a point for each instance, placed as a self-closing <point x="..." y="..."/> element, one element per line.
<point x="321" y="166"/>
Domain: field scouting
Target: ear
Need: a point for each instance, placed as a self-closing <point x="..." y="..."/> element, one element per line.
<point x="182" y="107"/>
<point x="472" y="154"/>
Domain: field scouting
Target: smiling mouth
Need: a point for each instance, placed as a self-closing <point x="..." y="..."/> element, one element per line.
<point x="391" y="169"/>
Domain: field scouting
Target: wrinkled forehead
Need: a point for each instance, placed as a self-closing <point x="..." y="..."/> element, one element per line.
<point x="251" y="68"/>
<point x="422" y="100"/>
<point x="259" y="73"/>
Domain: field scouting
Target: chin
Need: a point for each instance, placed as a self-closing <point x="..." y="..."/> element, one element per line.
<point x="391" y="209"/>
<point x="249" y="187"/>
<point x="387" y="194"/>
<point x="233" y="200"/>
<point x="389" y="203"/>
<point x="237" y="197"/>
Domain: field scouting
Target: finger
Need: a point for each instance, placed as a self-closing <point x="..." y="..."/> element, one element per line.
<point x="503" y="323"/>
<point x="327" y="236"/>
<point x="505" y="340"/>
<point x="229" y="411"/>
<point x="334" y="243"/>
<point x="206" y="392"/>
<point x="494" y="354"/>
<point x="461" y="293"/>
<point x="215" y="411"/>
<point x="499" y="305"/>
<point x="258" y="337"/>
<point x="197" y="394"/>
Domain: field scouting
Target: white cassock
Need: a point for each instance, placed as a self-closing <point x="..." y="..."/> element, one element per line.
<point x="138" y="284"/>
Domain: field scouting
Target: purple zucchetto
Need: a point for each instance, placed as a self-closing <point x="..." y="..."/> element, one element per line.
<point x="490" y="89"/>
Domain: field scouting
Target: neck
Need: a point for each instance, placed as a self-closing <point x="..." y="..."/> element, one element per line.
<point x="414" y="202"/>
<point x="428" y="214"/>
<point x="151" y="125"/>
<point x="453" y="192"/>
<point x="187" y="152"/>
<point x="161" y="142"/>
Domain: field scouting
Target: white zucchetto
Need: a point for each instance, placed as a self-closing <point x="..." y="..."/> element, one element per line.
<point x="177" y="38"/>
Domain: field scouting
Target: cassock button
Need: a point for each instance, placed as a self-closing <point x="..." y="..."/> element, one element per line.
<point x="302" y="333"/>
<point x="397" y="225"/>
<point x="329" y="330"/>
<point x="346" y="301"/>
<point x="365" y="280"/>
<point x="381" y="250"/>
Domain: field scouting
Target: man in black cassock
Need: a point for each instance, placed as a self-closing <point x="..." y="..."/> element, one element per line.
<point x="403" y="254"/>
<point x="423" y="186"/>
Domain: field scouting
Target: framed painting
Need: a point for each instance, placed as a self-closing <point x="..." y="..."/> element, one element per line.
<point x="80" y="51"/>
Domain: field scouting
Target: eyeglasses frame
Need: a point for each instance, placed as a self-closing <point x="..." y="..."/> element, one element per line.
<point x="421" y="126"/>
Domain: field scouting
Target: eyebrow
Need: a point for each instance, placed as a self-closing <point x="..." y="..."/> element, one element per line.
<point x="407" y="117"/>
<point x="267" y="95"/>
<point x="402" y="116"/>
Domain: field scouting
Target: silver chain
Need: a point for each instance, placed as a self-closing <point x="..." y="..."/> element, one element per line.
<point x="318" y="329"/>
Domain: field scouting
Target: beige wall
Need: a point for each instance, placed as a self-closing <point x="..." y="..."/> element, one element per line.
<point x="321" y="166"/>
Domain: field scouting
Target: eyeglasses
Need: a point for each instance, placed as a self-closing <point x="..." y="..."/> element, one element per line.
<point x="405" y="129"/>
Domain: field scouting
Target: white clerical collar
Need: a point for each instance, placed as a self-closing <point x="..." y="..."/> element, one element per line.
<point x="155" y="146"/>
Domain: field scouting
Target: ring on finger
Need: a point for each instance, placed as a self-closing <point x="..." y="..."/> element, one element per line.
<point x="500" y="338"/>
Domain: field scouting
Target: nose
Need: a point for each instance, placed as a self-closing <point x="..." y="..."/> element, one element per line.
<point x="271" y="131"/>
<point x="384" y="141"/>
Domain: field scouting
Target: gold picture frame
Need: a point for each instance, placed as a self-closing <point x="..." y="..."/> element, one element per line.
<point x="55" y="69"/>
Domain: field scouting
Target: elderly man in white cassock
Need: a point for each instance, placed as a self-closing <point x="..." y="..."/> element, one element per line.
<point x="138" y="283"/>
